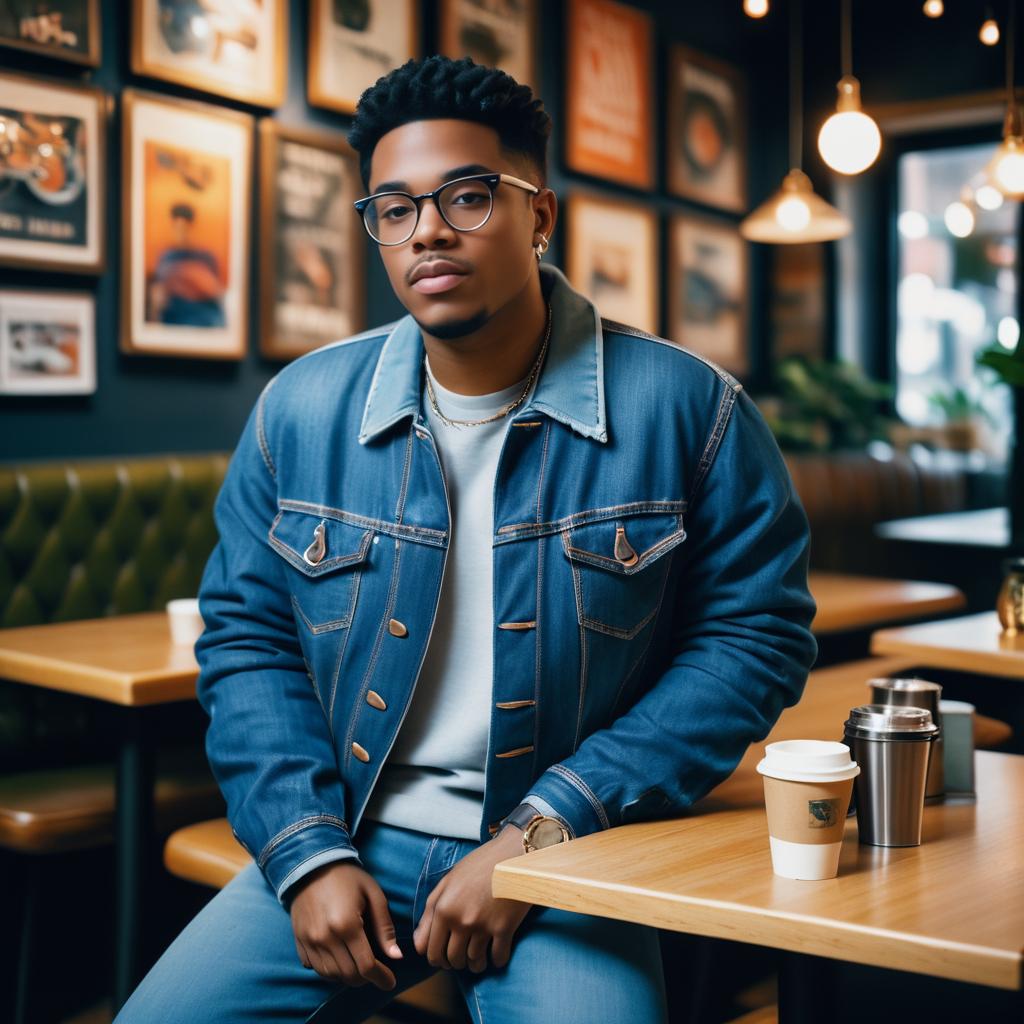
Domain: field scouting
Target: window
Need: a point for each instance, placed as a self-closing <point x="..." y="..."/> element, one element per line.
<point x="957" y="287"/>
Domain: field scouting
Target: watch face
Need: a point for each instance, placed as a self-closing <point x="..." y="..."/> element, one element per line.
<point x="547" y="832"/>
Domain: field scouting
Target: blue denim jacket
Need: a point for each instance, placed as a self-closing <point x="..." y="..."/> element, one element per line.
<point x="651" y="609"/>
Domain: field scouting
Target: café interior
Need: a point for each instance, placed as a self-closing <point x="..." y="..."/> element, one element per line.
<point x="822" y="197"/>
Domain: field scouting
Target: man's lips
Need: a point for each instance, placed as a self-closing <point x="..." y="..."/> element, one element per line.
<point x="435" y="276"/>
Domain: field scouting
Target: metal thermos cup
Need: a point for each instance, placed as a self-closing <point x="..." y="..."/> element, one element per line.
<point x="891" y="743"/>
<point x="918" y="693"/>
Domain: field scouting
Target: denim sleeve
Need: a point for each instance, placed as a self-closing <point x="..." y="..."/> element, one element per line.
<point x="268" y="742"/>
<point x="741" y="646"/>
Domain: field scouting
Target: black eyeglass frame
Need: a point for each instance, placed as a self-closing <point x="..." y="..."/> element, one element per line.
<point x="491" y="180"/>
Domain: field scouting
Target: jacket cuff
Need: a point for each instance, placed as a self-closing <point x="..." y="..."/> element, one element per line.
<point x="560" y="793"/>
<point x="284" y="890"/>
<point x="283" y="859"/>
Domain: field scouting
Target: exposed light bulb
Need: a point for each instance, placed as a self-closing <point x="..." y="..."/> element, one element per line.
<point x="755" y="8"/>
<point x="933" y="8"/>
<point x="1006" y="171"/>
<point x="912" y="224"/>
<point x="959" y="219"/>
<point x="1008" y="332"/>
<point x="200" y="26"/>
<point x="988" y="197"/>
<point x="989" y="32"/>
<point x="849" y="141"/>
<point x="793" y="214"/>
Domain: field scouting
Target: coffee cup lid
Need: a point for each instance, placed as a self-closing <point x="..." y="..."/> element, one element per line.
<point x="891" y="721"/>
<point x="808" y="761"/>
<point x="905" y="685"/>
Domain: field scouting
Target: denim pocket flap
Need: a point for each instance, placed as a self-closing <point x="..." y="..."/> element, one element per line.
<point x="316" y="545"/>
<point x="624" y="544"/>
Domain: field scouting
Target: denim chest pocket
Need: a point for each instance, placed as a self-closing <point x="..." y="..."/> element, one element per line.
<point x="619" y="567"/>
<point x="326" y="556"/>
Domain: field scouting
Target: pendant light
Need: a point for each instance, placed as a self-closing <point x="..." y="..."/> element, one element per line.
<point x="1006" y="171"/>
<point x="849" y="141"/>
<point x="755" y="8"/>
<point x="933" y="8"/>
<point x="795" y="213"/>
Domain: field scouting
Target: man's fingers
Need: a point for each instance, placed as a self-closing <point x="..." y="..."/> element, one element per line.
<point x="501" y="950"/>
<point x="422" y="932"/>
<point x="456" y="950"/>
<point x="380" y="921"/>
<point x="437" y="943"/>
<point x="344" y="967"/>
<point x="367" y="965"/>
<point x="476" y="952"/>
<point x="300" y="950"/>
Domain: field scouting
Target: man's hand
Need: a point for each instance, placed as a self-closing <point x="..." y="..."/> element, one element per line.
<point x="335" y="912"/>
<point x="461" y="917"/>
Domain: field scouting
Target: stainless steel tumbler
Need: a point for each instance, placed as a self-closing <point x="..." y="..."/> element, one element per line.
<point x="918" y="693"/>
<point x="891" y="743"/>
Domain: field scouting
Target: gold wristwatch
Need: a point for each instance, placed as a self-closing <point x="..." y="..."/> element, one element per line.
<point x="539" y="830"/>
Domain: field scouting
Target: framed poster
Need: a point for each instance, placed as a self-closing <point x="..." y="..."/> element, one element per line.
<point x="708" y="290"/>
<point x="47" y="343"/>
<point x="613" y="258"/>
<point x="67" y="29"/>
<point x="706" y="147"/>
<point x="185" y="246"/>
<point x="52" y="174"/>
<point x="312" y="247"/>
<point x="799" y="303"/>
<point x="353" y="42"/>
<point x="610" y="98"/>
<point x="498" y="33"/>
<point x="229" y="49"/>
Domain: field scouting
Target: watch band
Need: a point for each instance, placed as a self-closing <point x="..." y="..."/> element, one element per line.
<point x="520" y="817"/>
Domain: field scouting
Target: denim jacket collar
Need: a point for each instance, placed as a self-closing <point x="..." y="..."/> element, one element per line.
<point x="570" y="389"/>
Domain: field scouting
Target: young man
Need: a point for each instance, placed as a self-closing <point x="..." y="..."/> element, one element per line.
<point x="498" y="575"/>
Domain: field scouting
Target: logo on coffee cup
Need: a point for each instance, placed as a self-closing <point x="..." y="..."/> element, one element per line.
<point x="822" y="813"/>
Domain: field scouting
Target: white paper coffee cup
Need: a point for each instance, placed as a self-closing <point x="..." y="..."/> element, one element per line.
<point x="807" y="788"/>
<point x="185" y="621"/>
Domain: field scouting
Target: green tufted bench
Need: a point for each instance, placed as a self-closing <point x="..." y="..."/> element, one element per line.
<point x="86" y="539"/>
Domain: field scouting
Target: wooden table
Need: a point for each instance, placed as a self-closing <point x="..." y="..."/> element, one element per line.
<point x="982" y="528"/>
<point x="130" y="662"/>
<point x="971" y="643"/>
<point x="847" y="603"/>
<point x="710" y="873"/>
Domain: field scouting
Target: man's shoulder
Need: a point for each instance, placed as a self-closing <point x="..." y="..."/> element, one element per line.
<point x="678" y="358"/>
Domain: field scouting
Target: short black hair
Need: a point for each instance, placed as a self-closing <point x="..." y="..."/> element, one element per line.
<point x="439" y="87"/>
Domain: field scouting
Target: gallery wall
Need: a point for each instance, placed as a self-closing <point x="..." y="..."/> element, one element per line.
<point x="147" y="403"/>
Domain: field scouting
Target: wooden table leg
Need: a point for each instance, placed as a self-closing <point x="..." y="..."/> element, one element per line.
<point x="134" y="820"/>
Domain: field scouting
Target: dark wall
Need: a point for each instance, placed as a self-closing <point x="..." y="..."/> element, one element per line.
<point x="158" y="404"/>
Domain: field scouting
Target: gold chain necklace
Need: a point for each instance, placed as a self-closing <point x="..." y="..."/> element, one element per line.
<point x="508" y="408"/>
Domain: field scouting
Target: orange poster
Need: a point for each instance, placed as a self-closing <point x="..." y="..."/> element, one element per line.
<point x="609" y="101"/>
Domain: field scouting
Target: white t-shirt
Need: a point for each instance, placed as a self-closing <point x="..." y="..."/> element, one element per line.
<point x="433" y="779"/>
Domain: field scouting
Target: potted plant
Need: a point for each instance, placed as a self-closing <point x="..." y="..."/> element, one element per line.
<point x="1009" y="366"/>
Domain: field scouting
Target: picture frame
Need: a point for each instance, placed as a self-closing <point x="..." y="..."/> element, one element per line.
<point x="706" y="138"/>
<point x="185" y="236"/>
<point x="708" y="272"/>
<point x="47" y="342"/>
<point x="65" y="29"/>
<point x="497" y="33"/>
<point x="609" y="92"/>
<point x="347" y="56"/>
<point x="53" y="174"/>
<point x="312" y="244"/>
<point x="239" y="54"/>
<point x="612" y="257"/>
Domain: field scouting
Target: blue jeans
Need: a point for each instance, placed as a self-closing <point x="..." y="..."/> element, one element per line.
<point x="236" y="961"/>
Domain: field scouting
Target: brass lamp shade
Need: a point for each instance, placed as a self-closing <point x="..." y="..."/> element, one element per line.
<point x="795" y="214"/>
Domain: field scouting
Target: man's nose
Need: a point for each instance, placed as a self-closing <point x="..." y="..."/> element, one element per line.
<point x="432" y="229"/>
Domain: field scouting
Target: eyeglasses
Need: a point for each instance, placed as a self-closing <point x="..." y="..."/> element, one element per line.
<point x="465" y="204"/>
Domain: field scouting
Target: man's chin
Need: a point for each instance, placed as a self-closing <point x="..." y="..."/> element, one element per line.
<point x="453" y="328"/>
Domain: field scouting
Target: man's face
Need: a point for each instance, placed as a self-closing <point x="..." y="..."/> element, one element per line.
<point x="483" y="269"/>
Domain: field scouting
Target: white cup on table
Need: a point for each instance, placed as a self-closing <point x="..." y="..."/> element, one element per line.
<point x="185" y="621"/>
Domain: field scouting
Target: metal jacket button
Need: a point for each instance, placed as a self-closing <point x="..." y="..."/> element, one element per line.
<point x="314" y="554"/>
<point x="623" y="549"/>
<point x="397" y="628"/>
<point x="360" y="752"/>
<point x="375" y="700"/>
